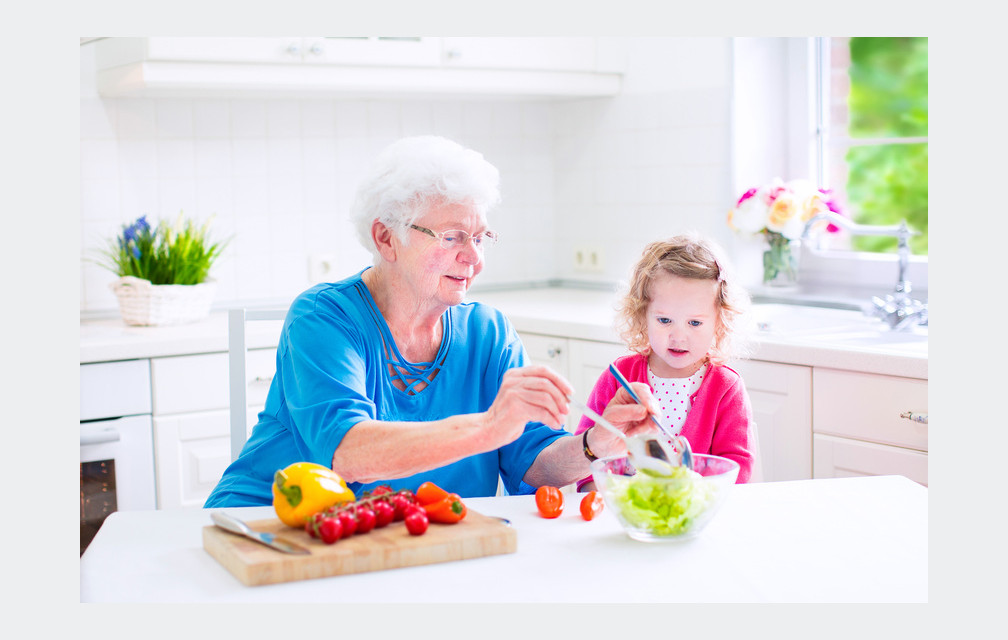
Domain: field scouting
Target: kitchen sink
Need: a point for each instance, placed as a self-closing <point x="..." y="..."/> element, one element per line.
<point x="844" y="327"/>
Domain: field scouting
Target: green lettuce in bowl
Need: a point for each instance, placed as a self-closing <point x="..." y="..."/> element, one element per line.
<point x="677" y="507"/>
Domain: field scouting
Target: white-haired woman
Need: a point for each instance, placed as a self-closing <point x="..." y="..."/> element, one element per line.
<point x="389" y="377"/>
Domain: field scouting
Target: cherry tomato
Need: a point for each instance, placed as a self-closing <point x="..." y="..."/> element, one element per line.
<point x="311" y="524"/>
<point x="429" y="492"/>
<point x="549" y="500"/>
<point x="384" y="513"/>
<point x="399" y="503"/>
<point x="366" y="519"/>
<point x="416" y="522"/>
<point x="330" y="530"/>
<point x="591" y="505"/>
<point x="348" y="522"/>
<point x="381" y="490"/>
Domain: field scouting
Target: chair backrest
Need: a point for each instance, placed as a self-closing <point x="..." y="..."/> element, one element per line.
<point x="237" y="369"/>
<point x="757" y="468"/>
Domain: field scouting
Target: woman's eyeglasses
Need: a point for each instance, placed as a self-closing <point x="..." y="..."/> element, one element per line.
<point x="456" y="239"/>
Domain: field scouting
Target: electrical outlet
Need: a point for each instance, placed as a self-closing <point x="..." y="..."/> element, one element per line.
<point x="588" y="259"/>
<point x="321" y="267"/>
<point x="580" y="258"/>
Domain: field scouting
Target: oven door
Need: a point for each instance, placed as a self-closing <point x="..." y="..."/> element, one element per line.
<point x="117" y="470"/>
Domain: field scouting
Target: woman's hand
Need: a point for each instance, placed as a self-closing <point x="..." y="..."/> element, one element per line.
<point x="625" y="414"/>
<point x="528" y="394"/>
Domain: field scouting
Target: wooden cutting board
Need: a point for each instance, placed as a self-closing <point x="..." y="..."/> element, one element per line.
<point x="387" y="548"/>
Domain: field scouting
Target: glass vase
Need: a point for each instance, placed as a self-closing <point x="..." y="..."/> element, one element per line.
<point x="780" y="261"/>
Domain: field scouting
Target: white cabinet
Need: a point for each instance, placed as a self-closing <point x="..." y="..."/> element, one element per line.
<point x="114" y="389"/>
<point x="844" y="457"/>
<point x="191" y="420"/>
<point x="588" y="359"/>
<point x="359" y="67"/>
<point x="812" y="422"/>
<point x="781" y="398"/>
<point x="544" y="54"/>
<point x="858" y="429"/>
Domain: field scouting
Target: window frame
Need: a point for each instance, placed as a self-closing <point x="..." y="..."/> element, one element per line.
<point x="784" y="76"/>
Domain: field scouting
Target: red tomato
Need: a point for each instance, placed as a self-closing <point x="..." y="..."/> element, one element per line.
<point x="414" y="507"/>
<point x="365" y="519"/>
<point x="330" y="530"/>
<point x="416" y="522"/>
<point x="400" y="503"/>
<point x="591" y="505"/>
<point x="384" y="513"/>
<point x="349" y="523"/>
<point x="549" y="500"/>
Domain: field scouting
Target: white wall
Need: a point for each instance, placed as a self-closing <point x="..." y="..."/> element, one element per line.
<point x="608" y="174"/>
<point x="649" y="163"/>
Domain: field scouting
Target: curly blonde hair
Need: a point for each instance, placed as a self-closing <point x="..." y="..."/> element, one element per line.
<point x="686" y="256"/>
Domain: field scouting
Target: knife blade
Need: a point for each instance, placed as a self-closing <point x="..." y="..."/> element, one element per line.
<point x="234" y="525"/>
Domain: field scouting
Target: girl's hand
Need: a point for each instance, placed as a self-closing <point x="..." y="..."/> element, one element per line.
<point x="528" y="394"/>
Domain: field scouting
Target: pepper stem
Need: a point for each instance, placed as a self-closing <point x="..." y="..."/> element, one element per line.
<point x="291" y="493"/>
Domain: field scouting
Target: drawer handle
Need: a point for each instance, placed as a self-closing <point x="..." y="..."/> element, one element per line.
<point x="915" y="417"/>
<point x="98" y="436"/>
<point x="553" y="352"/>
<point x="261" y="379"/>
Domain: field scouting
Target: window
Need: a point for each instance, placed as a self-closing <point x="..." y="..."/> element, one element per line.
<point x="871" y="134"/>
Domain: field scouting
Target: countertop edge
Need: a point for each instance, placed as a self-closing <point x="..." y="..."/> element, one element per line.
<point x="110" y="339"/>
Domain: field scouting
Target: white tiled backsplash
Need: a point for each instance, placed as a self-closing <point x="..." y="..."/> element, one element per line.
<point x="278" y="175"/>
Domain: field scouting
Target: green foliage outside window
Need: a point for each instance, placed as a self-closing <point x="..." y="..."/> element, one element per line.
<point x="888" y="183"/>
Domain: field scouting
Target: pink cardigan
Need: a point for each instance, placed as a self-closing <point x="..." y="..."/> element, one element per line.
<point x="718" y="420"/>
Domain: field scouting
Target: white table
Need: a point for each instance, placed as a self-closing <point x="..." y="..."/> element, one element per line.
<point x="830" y="540"/>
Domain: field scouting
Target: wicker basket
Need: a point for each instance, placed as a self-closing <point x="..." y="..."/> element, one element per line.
<point x="147" y="305"/>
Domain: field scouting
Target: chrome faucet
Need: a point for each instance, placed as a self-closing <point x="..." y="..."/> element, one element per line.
<point x="898" y="310"/>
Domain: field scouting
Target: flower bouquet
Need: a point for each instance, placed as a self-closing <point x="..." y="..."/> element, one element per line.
<point x="779" y="211"/>
<point x="163" y="271"/>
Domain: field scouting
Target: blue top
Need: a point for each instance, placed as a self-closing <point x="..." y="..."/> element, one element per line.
<point x="332" y="372"/>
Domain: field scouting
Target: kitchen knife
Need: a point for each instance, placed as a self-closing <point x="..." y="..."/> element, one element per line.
<point x="235" y="525"/>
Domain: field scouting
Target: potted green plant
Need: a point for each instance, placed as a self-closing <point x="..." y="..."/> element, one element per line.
<point x="163" y="271"/>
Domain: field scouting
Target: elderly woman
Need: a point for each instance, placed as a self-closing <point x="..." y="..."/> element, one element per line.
<point x="390" y="377"/>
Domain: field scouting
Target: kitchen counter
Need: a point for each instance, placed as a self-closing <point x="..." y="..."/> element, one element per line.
<point x="585" y="314"/>
<point x="828" y="540"/>
<point x="590" y="314"/>
<point x="108" y="339"/>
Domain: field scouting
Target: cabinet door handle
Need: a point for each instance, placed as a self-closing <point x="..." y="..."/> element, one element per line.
<point x="915" y="417"/>
<point x="553" y="352"/>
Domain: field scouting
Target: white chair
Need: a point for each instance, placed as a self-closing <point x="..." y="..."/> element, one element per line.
<point x="757" y="469"/>
<point x="238" y="369"/>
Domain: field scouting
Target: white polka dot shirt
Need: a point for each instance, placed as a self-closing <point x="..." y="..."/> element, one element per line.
<point x="673" y="396"/>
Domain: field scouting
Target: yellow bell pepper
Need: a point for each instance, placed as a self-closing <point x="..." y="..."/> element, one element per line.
<point x="305" y="488"/>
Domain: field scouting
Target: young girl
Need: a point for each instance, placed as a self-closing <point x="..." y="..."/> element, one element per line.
<point x="679" y="318"/>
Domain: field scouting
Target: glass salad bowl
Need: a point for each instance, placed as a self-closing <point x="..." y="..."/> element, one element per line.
<point x="654" y="508"/>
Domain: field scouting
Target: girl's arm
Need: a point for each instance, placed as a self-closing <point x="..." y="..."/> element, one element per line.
<point x="733" y="433"/>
